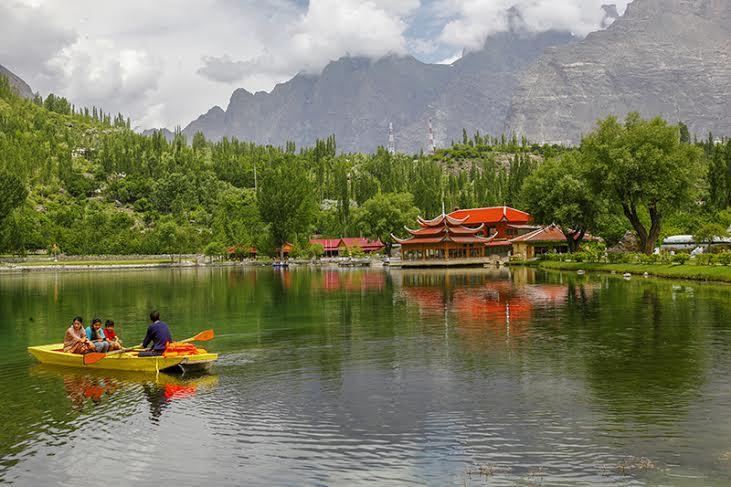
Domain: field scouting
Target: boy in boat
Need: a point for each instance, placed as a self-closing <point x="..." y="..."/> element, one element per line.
<point x="75" y="340"/>
<point x="114" y="341"/>
<point x="95" y="334"/>
<point x="158" y="335"/>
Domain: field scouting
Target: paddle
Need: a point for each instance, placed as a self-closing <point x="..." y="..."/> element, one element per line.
<point x="94" y="357"/>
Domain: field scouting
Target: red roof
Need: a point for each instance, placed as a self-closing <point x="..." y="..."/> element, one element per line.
<point x="441" y="220"/>
<point x="551" y="233"/>
<point x="363" y="243"/>
<point x="329" y="244"/>
<point x="443" y="228"/>
<point x="500" y="243"/>
<point x="332" y="244"/>
<point x="491" y="215"/>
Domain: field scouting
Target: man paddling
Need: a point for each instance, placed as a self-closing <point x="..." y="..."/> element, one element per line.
<point x="158" y="334"/>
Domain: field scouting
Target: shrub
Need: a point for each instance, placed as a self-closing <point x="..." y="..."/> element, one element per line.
<point x="680" y="258"/>
<point x="724" y="258"/>
<point x="704" y="259"/>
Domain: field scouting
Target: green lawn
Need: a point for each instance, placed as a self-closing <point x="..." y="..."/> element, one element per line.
<point x="39" y="263"/>
<point x="703" y="273"/>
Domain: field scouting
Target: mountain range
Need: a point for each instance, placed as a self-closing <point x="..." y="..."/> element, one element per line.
<point x="663" y="57"/>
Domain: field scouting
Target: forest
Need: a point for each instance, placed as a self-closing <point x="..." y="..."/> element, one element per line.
<point x="81" y="182"/>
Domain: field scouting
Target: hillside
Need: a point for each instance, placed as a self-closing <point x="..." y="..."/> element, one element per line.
<point x="97" y="187"/>
<point x="666" y="58"/>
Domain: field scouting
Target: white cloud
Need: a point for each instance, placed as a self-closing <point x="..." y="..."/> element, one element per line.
<point x="165" y="62"/>
<point x="30" y="37"/>
<point x="451" y="59"/>
<point x="476" y="19"/>
<point x="103" y="74"/>
<point x="327" y="30"/>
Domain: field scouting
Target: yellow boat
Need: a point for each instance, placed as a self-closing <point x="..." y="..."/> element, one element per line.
<point x="129" y="361"/>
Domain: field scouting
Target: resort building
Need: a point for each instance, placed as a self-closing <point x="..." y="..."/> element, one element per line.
<point x="443" y="241"/>
<point x="478" y="236"/>
<point x="339" y="247"/>
<point x="543" y="241"/>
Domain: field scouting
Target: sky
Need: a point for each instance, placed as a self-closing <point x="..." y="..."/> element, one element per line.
<point x="165" y="62"/>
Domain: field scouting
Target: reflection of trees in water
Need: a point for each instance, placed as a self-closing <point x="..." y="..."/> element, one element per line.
<point x="645" y="356"/>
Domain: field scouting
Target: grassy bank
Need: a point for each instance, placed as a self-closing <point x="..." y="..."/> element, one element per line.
<point x="94" y="262"/>
<point x="685" y="271"/>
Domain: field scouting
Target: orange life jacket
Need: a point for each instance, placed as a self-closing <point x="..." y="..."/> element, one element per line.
<point x="177" y="349"/>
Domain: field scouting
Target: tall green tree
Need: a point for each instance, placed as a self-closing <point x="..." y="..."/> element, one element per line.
<point x="643" y="166"/>
<point x="286" y="199"/>
<point x="12" y="194"/>
<point x="558" y="192"/>
<point x="387" y="213"/>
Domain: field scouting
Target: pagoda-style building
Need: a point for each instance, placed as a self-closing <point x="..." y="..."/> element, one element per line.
<point x="443" y="241"/>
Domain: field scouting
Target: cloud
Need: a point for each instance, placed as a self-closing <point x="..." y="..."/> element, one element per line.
<point x="474" y="20"/>
<point x="327" y="30"/>
<point x="30" y="37"/>
<point x="103" y="74"/>
<point x="222" y="69"/>
<point x="451" y="59"/>
<point x="163" y="63"/>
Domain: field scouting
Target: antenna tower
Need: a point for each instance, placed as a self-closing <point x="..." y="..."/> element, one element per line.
<point x="391" y="140"/>
<point x="430" y="147"/>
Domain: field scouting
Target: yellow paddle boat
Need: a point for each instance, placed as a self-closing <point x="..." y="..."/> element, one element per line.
<point x="127" y="360"/>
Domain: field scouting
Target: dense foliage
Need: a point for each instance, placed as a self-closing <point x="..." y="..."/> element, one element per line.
<point x="83" y="182"/>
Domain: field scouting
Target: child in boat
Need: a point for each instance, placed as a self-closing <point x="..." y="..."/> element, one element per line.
<point x="115" y="343"/>
<point x="75" y="339"/>
<point x="95" y="334"/>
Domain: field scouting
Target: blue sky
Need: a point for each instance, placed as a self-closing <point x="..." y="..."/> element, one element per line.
<point x="165" y="62"/>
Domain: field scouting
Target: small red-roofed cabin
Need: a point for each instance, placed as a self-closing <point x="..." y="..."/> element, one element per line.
<point x="542" y="241"/>
<point x="334" y="247"/>
<point x="329" y="245"/>
<point x="367" y="246"/>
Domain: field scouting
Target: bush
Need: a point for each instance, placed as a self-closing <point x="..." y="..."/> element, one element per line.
<point x="215" y="249"/>
<point x="680" y="258"/>
<point x="704" y="259"/>
<point x="724" y="258"/>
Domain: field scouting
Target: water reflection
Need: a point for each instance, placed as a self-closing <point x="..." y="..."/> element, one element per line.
<point x="333" y="376"/>
<point x="92" y="387"/>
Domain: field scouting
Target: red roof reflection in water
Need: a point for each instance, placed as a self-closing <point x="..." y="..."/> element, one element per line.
<point x="335" y="280"/>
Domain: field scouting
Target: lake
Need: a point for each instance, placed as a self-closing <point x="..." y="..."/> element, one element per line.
<point x="347" y="377"/>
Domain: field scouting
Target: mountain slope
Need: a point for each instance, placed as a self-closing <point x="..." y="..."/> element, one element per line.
<point x="356" y="98"/>
<point x="23" y="89"/>
<point x="663" y="57"/>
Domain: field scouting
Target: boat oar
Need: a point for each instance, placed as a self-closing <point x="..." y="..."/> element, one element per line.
<point x="94" y="357"/>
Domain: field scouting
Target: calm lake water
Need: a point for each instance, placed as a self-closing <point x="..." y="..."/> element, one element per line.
<point x="331" y="377"/>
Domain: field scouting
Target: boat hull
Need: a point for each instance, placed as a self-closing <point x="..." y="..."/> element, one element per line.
<point x="129" y="361"/>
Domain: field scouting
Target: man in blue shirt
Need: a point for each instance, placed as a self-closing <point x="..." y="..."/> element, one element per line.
<point x="158" y="334"/>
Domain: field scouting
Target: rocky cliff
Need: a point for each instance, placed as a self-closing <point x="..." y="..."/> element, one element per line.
<point x="663" y="57"/>
<point x="356" y="98"/>
<point x="23" y="89"/>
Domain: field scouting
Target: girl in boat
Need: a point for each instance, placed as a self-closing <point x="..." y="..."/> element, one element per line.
<point x="95" y="334"/>
<point x="75" y="340"/>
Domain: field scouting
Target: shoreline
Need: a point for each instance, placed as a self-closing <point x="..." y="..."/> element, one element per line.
<point x="720" y="274"/>
<point x="101" y="265"/>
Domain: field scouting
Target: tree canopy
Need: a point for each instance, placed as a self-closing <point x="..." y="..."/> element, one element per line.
<point x="644" y="167"/>
<point x="558" y="192"/>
